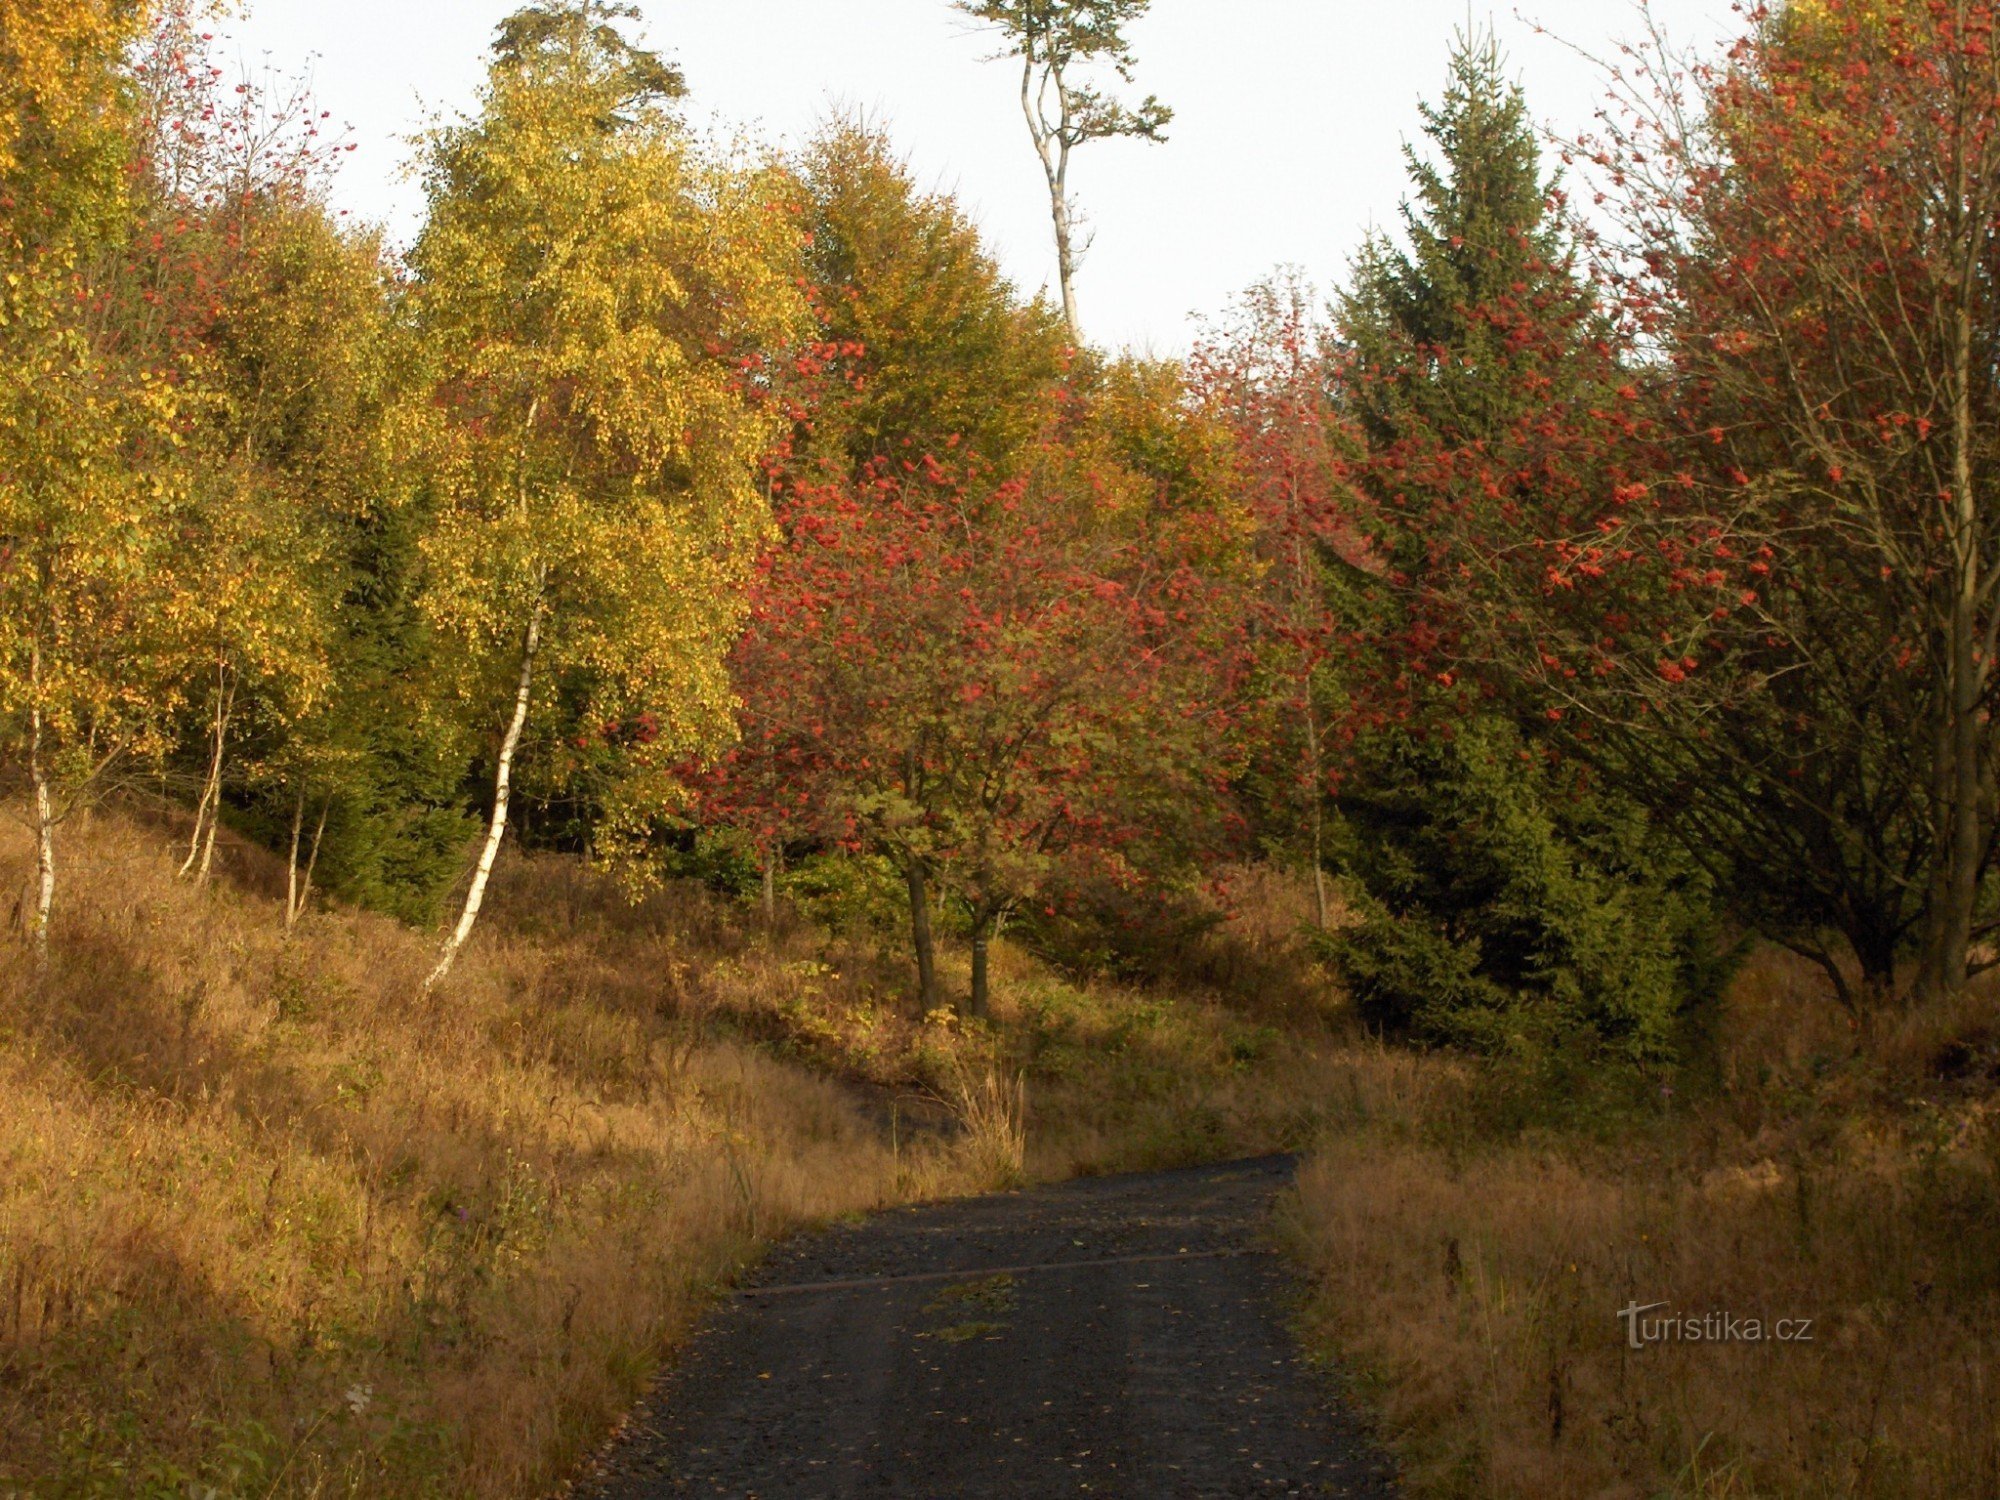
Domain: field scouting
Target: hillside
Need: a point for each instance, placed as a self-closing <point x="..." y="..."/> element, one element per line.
<point x="272" y="1224"/>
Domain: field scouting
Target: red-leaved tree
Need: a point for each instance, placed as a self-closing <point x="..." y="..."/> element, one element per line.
<point x="977" y="679"/>
<point x="1742" y="559"/>
<point x="1265" y="377"/>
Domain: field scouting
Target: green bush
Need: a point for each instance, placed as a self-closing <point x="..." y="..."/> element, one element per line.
<point x="1506" y="906"/>
<point x="848" y="893"/>
<point x="1092" y="926"/>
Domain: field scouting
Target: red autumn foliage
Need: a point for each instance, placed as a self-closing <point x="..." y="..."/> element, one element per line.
<point x="978" y="678"/>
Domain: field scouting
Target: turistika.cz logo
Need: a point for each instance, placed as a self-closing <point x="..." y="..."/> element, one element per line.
<point x="1708" y="1328"/>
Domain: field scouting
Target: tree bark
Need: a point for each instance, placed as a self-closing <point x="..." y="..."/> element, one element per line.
<point x="1317" y="805"/>
<point x="1065" y="257"/>
<point x="208" y="811"/>
<point x="45" y="821"/>
<point x="496" y="828"/>
<point x="982" y="939"/>
<point x="771" y="885"/>
<point x="207" y="865"/>
<point x="292" y="860"/>
<point x="1937" y="886"/>
<point x="920" y="935"/>
<point x="1053" y="149"/>
<point x="298" y="891"/>
<point x="312" y="856"/>
<point x="1965" y="853"/>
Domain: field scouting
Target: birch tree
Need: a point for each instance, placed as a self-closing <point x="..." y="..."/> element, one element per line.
<point x="601" y="298"/>
<point x="87" y="423"/>
<point x="1057" y="42"/>
<point x="239" y="285"/>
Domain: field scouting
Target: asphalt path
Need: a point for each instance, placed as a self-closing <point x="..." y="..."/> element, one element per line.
<point x="1120" y="1336"/>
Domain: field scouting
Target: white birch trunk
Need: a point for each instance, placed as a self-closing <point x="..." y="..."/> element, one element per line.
<point x="200" y="823"/>
<point x="45" y="833"/>
<point x="208" y="844"/>
<point x="305" y="890"/>
<point x="201" y="844"/>
<point x="292" y="860"/>
<point x="496" y="828"/>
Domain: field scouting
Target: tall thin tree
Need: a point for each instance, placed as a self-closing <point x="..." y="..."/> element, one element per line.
<point x="1055" y="41"/>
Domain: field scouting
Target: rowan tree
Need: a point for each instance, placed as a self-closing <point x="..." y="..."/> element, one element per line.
<point x="1266" y="376"/>
<point x="1753" y="581"/>
<point x="602" y="299"/>
<point x="271" y="318"/>
<point x="975" y="677"/>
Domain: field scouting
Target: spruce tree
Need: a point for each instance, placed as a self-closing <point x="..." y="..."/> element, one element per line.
<point x="1507" y="903"/>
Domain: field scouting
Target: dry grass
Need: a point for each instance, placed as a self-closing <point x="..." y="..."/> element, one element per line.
<point x="1113" y="1077"/>
<point x="271" y="1226"/>
<point x="1851" y="1179"/>
<point x="994" y="1112"/>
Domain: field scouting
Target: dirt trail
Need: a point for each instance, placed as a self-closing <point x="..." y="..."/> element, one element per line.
<point x="1118" y="1336"/>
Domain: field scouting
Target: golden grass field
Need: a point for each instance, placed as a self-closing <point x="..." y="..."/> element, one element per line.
<point x="271" y="1225"/>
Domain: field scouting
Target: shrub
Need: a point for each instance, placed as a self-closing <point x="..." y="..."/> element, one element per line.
<point x="1503" y="904"/>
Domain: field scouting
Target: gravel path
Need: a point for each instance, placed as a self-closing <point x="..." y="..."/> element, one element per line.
<point x="1116" y="1336"/>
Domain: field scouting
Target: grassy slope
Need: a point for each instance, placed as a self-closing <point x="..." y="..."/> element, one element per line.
<point x="270" y="1225"/>
<point x="1473" y="1273"/>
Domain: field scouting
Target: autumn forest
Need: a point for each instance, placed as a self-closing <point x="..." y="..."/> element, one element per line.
<point x="687" y="637"/>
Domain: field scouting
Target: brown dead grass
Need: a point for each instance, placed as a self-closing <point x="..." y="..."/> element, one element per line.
<point x="1853" y="1179"/>
<point x="1107" y="1077"/>
<point x="271" y="1225"/>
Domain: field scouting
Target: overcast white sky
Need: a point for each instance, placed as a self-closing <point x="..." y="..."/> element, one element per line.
<point x="1290" y="115"/>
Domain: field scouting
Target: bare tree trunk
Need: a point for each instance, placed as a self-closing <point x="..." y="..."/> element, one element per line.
<point x="45" y="819"/>
<point x="208" y="844"/>
<point x="312" y="856"/>
<point x="292" y="859"/>
<point x="1053" y="148"/>
<point x="200" y="823"/>
<point x="984" y="926"/>
<point x="1967" y="676"/>
<point x="208" y="812"/>
<point x="496" y="828"/>
<point x="1065" y="256"/>
<point x="771" y="885"/>
<point x="1937" y="893"/>
<point x="920" y="935"/>
<point x="298" y="891"/>
<point x="1317" y="805"/>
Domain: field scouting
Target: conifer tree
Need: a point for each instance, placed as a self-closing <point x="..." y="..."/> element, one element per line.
<point x="1507" y="901"/>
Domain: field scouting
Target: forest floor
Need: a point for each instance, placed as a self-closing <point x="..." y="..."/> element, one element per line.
<point x="1118" y="1336"/>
